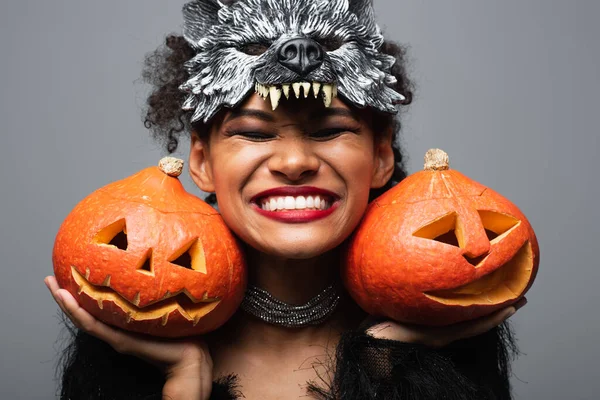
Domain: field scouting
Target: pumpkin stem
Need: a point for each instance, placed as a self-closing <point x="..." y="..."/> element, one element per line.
<point x="436" y="160"/>
<point x="171" y="166"/>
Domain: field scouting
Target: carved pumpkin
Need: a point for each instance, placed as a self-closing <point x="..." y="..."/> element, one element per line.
<point x="144" y="255"/>
<point x="439" y="248"/>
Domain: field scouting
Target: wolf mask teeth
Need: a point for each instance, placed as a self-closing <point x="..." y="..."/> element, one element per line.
<point x="284" y="48"/>
<point x="274" y="92"/>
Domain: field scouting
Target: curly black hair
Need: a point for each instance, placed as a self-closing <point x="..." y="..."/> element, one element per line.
<point x="164" y="71"/>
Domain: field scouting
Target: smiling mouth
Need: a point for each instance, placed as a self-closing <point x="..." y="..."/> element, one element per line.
<point x="289" y="203"/>
<point x="327" y="91"/>
<point x="190" y="308"/>
<point x="504" y="284"/>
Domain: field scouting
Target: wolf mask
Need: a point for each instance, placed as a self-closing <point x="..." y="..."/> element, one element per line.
<point x="285" y="48"/>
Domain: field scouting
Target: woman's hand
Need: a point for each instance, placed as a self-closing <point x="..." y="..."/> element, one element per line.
<point x="187" y="364"/>
<point x="442" y="336"/>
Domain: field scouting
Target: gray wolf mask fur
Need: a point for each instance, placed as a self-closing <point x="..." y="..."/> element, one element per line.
<point x="293" y="59"/>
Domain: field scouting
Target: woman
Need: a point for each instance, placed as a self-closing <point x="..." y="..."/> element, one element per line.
<point x="293" y="167"/>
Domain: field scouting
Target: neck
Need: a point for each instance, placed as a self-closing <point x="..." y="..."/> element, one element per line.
<point x="293" y="281"/>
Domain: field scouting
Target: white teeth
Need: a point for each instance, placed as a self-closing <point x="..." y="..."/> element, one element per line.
<point x="296" y="87"/>
<point x="334" y="90"/>
<point x="316" y="86"/>
<point x="275" y="95"/>
<point x="286" y="91"/>
<point x="290" y="204"/>
<point x="300" y="203"/>
<point x="327" y="93"/>
<point x="294" y="203"/>
<point x="306" y="87"/>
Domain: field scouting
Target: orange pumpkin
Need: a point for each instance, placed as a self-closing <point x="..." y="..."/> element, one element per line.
<point x="144" y="255"/>
<point x="440" y="248"/>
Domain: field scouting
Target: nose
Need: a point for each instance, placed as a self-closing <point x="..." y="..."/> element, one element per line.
<point x="474" y="241"/>
<point x="294" y="161"/>
<point x="301" y="55"/>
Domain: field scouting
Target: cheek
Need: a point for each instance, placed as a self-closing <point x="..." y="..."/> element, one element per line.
<point x="353" y="162"/>
<point x="233" y="166"/>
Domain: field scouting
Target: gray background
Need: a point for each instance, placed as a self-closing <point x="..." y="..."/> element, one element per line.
<point x="509" y="88"/>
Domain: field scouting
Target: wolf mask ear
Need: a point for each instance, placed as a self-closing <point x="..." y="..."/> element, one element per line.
<point x="340" y="6"/>
<point x="199" y="16"/>
<point x="363" y="9"/>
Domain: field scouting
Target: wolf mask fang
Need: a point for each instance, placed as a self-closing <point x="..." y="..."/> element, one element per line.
<point x="285" y="48"/>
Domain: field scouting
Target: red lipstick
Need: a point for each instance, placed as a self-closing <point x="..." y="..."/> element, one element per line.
<point x="296" y="216"/>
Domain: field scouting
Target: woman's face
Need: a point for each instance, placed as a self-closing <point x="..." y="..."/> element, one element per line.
<point x="294" y="182"/>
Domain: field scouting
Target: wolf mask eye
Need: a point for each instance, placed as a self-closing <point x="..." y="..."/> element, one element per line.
<point x="330" y="44"/>
<point x="254" y="49"/>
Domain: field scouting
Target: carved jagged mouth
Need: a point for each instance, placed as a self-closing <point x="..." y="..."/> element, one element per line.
<point x="327" y="91"/>
<point x="506" y="283"/>
<point x="183" y="302"/>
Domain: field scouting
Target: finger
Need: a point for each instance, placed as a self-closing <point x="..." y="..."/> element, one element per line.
<point x="53" y="287"/>
<point x="70" y="306"/>
<point x="51" y="284"/>
<point x="520" y="303"/>
<point x="152" y="350"/>
<point x="481" y="325"/>
<point x="370" y="322"/>
<point x="391" y="331"/>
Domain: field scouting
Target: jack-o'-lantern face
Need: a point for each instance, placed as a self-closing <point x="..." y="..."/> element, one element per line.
<point x="150" y="262"/>
<point x="440" y="248"/>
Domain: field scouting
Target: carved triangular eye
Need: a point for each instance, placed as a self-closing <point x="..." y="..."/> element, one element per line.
<point x="496" y="224"/>
<point x="442" y="230"/>
<point x="190" y="256"/>
<point x="114" y="235"/>
<point x="146" y="266"/>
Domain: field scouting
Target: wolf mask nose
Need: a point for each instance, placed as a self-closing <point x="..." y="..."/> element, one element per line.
<point x="301" y="55"/>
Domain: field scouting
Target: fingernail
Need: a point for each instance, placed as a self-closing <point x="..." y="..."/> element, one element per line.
<point x="511" y="312"/>
<point x="521" y="303"/>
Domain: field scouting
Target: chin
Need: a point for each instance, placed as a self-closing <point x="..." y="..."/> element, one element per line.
<point x="298" y="250"/>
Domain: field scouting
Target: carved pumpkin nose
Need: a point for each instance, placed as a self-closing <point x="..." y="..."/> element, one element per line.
<point x="301" y="55"/>
<point x="472" y="236"/>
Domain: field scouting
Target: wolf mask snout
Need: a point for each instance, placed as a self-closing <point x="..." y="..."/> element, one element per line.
<point x="301" y="55"/>
<point x="279" y="47"/>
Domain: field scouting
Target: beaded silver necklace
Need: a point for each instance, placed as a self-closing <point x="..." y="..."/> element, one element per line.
<point x="261" y="304"/>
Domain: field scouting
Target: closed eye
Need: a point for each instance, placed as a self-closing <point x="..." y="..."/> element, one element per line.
<point x="253" y="136"/>
<point x="328" y="134"/>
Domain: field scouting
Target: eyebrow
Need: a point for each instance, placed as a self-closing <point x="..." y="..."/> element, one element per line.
<point x="249" y="112"/>
<point x="333" y="111"/>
